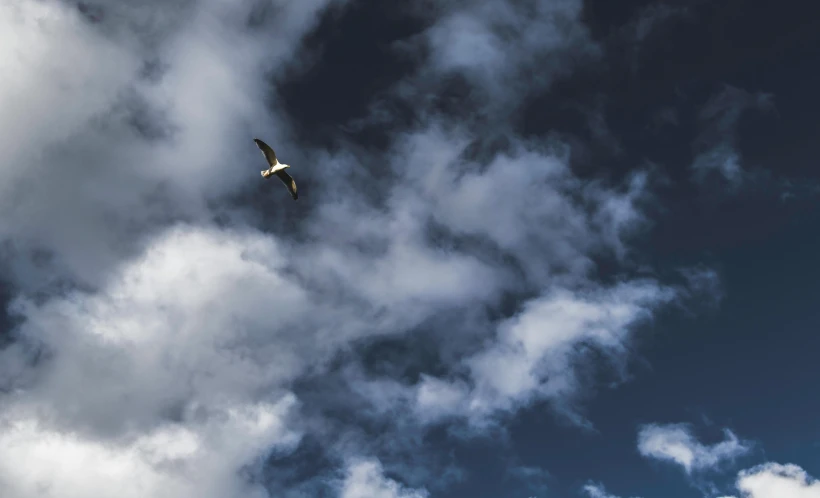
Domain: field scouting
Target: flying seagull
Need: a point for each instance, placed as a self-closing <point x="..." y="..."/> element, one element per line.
<point x="276" y="168"/>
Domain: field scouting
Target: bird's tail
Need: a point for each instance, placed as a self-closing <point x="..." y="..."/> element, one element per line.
<point x="266" y="173"/>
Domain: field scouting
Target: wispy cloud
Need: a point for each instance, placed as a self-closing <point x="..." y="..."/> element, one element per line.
<point x="533" y="479"/>
<point x="715" y="147"/>
<point x="703" y="284"/>
<point x="652" y="17"/>
<point x="597" y="490"/>
<point x="675" y="443"/>
<point x="533" y="355"/>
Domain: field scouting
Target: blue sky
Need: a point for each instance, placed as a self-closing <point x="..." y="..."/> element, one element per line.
<point x="549" y="249"/>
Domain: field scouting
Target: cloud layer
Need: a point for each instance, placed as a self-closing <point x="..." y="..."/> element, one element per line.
<point x="171" y="319"/>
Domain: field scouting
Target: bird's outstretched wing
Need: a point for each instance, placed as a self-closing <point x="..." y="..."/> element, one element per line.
<point x="289" y="183"/>
<point x="270" y="155"/>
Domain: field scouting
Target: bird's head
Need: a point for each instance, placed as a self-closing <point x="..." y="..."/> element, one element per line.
<point x="285" y="166"/>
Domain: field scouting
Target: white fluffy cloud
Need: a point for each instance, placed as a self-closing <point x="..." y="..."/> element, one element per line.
<point x="675" y="443"/>
<point x="773" y="480"/>
<point x="170" y="376"/>
<point x="195" y="315"/>
<point x="195" y="459"/>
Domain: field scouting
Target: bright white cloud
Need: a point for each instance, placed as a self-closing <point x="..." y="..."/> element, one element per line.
<point x="773" y="480"/>
<point x="202" y="328"/>
<point x="177" y="354"/>
<point x="195" y="459"/>
<point x="675" y="443"/>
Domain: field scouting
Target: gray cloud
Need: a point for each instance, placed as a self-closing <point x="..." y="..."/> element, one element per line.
<point x="480" y="60"/>
<point x="492" y="43"/>
<point x="76" y="163"/>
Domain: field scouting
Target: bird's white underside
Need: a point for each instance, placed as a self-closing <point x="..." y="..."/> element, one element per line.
<point x="273" y="169"/>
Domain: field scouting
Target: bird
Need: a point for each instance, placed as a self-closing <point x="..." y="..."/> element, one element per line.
<point x="276" y="168"/>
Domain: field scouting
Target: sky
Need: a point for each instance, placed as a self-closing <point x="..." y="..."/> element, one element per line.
<point x="542" y="248"/>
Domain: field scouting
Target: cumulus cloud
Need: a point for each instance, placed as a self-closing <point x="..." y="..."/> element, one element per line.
<point x="773" y="480"/>
<point x="179" y="358"/>
<point x="177" y="460"/>
<point x="675" y="443"/>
